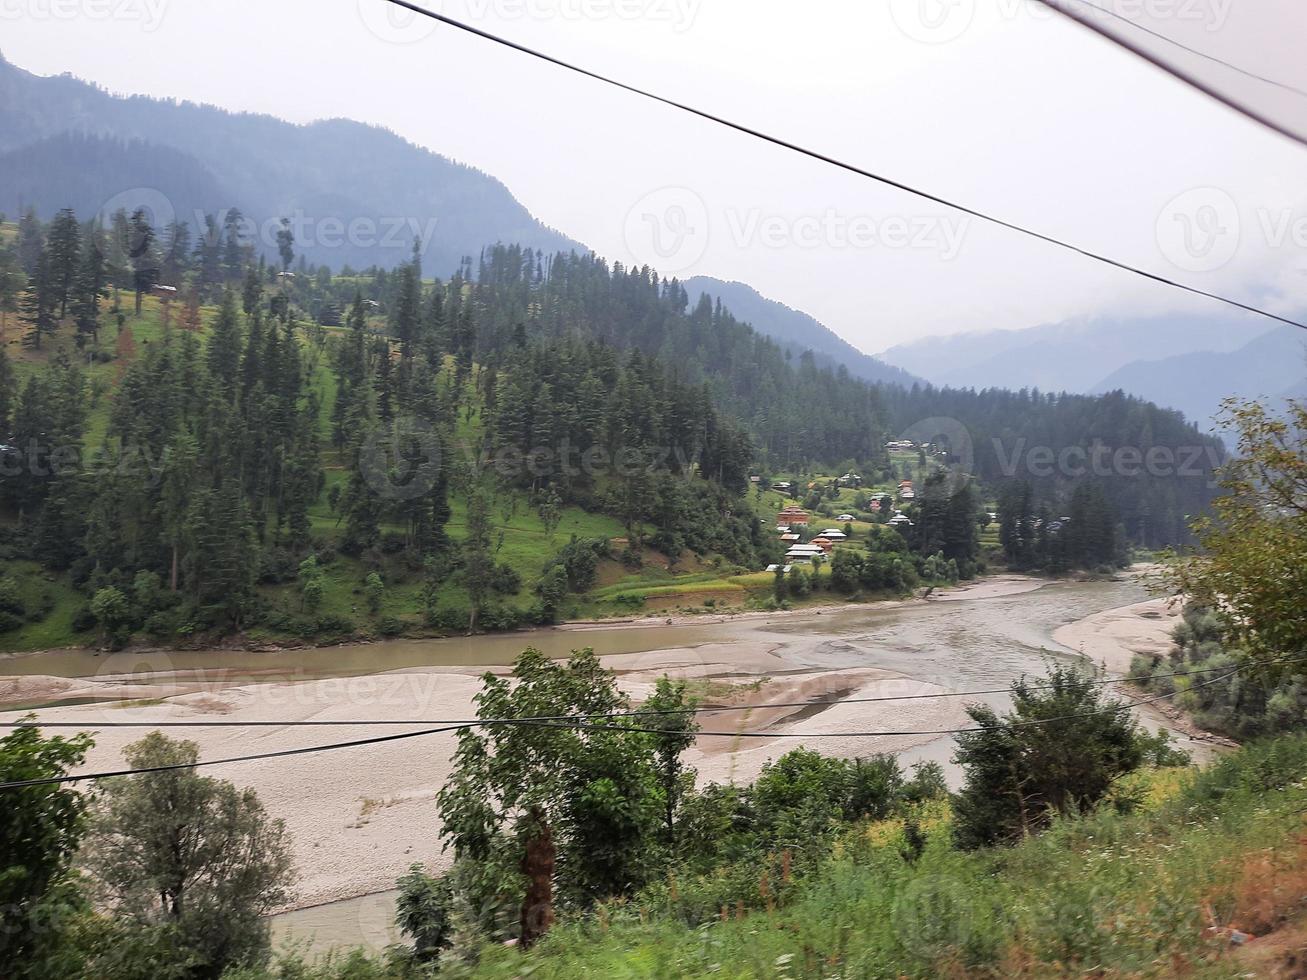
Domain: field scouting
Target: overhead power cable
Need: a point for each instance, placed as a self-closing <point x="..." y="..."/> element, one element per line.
<point x="1193" y="79"/>
<point x="1121" y="18"/>
<point x="834" y="162"/>
<point x="572" y="724"/>
<point x="639" y="713"/>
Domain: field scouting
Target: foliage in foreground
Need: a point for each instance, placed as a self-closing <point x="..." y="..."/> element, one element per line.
<point x="1113" y="893"/>
<point x="1253" y="566"/>
<point x="166" y="875"/>
<point x="1119" y="893"/>
<point x="1208" y="684"/>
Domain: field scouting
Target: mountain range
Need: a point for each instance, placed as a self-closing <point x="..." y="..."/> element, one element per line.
<point x="187" y="160"/>
<point x="797" y="331"/>
<point x="382" y="191"/>
<point x="1182" y="361"/>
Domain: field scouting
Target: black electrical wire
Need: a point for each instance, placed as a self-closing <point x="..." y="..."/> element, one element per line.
<point x="1185" y="47"/>
<point x="574" y="725"/>
<point x="834" y="162"/>
<point x="701" y="709"/>
<point x="1190" y="78"/>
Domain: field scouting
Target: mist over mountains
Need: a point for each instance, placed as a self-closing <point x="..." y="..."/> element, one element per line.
<point x="358" y="194"/>
<point x="1180" y="361"/>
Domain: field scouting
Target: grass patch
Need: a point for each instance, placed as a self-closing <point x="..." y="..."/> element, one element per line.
<point x="1114" y="894"/>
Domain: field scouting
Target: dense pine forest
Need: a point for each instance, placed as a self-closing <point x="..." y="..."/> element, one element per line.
<point x="200" y="439"/>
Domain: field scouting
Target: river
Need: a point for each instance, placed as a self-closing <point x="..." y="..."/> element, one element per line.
<point x="362" y="826"/>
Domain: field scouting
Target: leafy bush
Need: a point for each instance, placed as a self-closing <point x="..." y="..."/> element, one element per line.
<point x="11" y="600"/>
<point x="331" y="623"/>
<point x="506" y="580"/>
<point x="390" y="626"/>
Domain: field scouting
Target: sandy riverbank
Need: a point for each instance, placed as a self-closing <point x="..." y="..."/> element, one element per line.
<point x="359" y="817"/>
<point x="1113" y="638"/>
<point x="988" y="587"/>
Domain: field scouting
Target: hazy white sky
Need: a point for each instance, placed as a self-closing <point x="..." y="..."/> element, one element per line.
<point x="995" y="103"/>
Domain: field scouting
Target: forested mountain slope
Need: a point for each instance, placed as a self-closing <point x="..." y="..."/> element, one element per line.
<point x="268" y="168"/>
<point x="796" y="330"/>
<point x="1155" y="467"/>
<point x="192" y="160"/>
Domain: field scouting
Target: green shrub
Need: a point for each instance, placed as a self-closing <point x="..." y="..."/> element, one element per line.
<point x="390" y="626"/>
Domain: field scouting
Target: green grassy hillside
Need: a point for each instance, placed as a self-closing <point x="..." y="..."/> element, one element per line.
<point x="1133" y="891"/>
<point x="648" y="583"/>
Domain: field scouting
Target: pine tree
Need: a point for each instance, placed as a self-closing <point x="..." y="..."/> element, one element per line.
<point x="89" y="288"/>
<point x="8" y="392"/>
<point x="30" y="242"/>
<point x="435" y="329"/>
<point x="39" y="303"/>
<point x="63" y="246"/>
<point x="286" y="244"/>
<point x="176" y="253"/>
<point x="407" y="317"/>
<point x="252" y="291"/>
<point x="351" y="409"/>
<point x="224" y="351"/>
<point x="207" y="258"/>
<point x="234" y="245"/>
<point x="178" y="483"/>
<point x="478" y="561"/>
<point x="362" y="512"/>
<point x="12" y="282"/>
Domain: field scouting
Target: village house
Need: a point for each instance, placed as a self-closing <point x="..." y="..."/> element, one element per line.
<point x="802" y="553"/>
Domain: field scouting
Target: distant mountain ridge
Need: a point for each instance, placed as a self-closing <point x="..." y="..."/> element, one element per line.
<point x="796" y="330"/>
<point x="1272" y="366"/>
<point x="323" y="172"/>
<point x="200" y="158"/>
<point x="1185" y="362"/>
<point x="1073" y="355"/>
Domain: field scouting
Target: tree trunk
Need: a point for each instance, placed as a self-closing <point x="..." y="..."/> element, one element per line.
<point x="538" y="867"/>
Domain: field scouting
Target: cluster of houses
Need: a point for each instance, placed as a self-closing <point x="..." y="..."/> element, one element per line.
<point x="815" y="550"/>
<point x="793" y="519"/>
